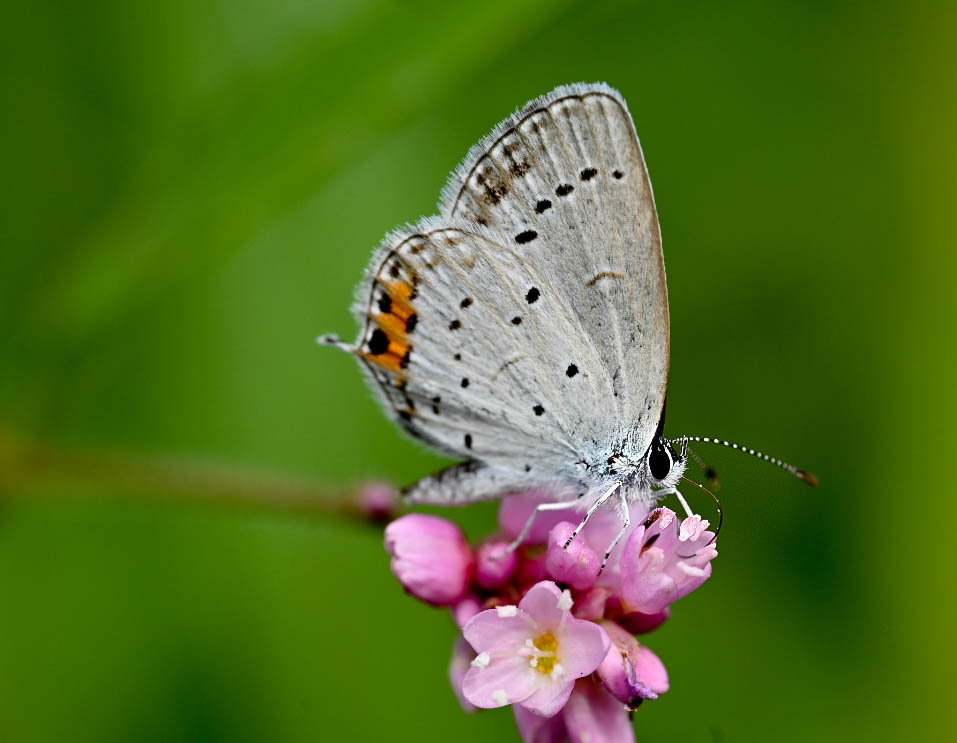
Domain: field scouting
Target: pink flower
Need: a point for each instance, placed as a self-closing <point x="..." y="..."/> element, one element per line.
<point x="495" y="564"/>
<point x="630" y="671"/>
<point x="430" y="557"/>
<point x="661" y="563"/>
<point x="531" y="654"/>
<point x="592" y="715"/>
<point x="569" y="676"/>
<point x="577" y="565"/>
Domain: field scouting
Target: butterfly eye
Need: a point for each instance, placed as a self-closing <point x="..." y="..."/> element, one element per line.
<point x="659" y="461"/>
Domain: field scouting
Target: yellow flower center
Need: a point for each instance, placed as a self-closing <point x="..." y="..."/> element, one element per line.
<point x="548" y="645"/>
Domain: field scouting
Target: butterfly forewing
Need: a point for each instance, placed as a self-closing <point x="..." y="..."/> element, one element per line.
<point x="569" y="170"/>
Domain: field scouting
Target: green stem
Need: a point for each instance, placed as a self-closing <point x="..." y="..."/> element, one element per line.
<point x="31" y="467"/>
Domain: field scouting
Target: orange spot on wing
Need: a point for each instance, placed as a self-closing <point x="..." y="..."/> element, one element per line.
<point x="401" y="294"/>
<point x="394" y="324"/>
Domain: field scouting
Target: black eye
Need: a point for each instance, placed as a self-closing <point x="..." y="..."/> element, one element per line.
<point x="659" y="460"/>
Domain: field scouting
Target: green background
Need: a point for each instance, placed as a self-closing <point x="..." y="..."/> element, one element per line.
<point x="191" y="191"/>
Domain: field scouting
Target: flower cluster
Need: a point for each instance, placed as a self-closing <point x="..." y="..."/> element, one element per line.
<point x="544" y="628"/>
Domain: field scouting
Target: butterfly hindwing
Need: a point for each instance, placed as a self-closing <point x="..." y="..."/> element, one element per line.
<point x="470" y="344"/>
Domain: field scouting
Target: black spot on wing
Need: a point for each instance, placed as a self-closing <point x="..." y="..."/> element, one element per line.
<point x="617" y="175"/>
<point x="532" y="296"/>
<point x="465" y="302"/>
<point x="564" y="189"/>
<point x="378" y="342"/>
<point x="385" y="304"/>
<point x="571" y="371"/>
<point x="464" y="382"/>
<point x="455" y="325"/>
<point x="587" y="174"/>
<point x="468" y="441"/>
<point x="516" y="320"/>
<point x="525" y="237"/>
<point x="538" y="410"/>
<point x="411" y="322"/>
<point x="543" y="205"/>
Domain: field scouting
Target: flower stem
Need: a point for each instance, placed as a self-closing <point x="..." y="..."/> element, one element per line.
<point x="41" y="468"/>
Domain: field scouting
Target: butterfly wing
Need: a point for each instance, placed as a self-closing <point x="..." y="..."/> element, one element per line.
<point x="471" y="345"/>
<point x="527" y="327"/>
<point x="565" y="180"/>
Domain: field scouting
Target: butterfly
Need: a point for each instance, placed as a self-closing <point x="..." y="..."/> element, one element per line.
<point x="526" y="328"/>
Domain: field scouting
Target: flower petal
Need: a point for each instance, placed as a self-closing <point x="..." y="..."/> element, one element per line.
<point x="550" y="697"/>
<point x="493" y="631"/>
<point x="542" y="604"/>
<point x="582" y="647"/>
<point x="592" y="715"/>
<point x="650" y="670"/>
<point x="507" y="680"/>
<point x="537" y="729"/>
<point x="462" y="656"/>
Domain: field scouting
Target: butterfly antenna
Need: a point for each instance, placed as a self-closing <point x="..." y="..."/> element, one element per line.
<point x="717" y="504"/>
<point x="709" y="472"/>
<point x="809" y="477"/>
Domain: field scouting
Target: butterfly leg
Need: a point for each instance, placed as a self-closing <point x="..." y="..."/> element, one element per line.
<point x="531" y="520"/>
<point x="683" y="502"/>
<point x="588" y="514"/>
<point x="625" y="523"/>
<point x="678" y="495"/>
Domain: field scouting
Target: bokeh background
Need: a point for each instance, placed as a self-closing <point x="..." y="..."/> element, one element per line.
<point x="191" y="191"/>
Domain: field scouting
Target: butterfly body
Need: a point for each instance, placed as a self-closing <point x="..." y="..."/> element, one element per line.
<point x="525" y="328"/>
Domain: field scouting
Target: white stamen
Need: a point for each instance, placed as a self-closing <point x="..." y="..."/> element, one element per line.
<point x="507" y="611"/>
<point x="689" y="528"/>
<point x="500" y="697"/>
<point x="481" y="660"/>
<point x="533" y="662"/>
<point x="691" y="570"/>
<point x="557" y="671"/>
<point x="565" y="600"/>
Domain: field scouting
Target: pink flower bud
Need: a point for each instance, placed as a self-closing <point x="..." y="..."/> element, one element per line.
<point x="591" y="604"/>
<point x="430" y="557"/>
<point x="495" y="565"/>
<point x="630" y="671"/>
<point x="465" y="609"/>
<point x="577" y="565"/>
<point x="377" y="501"/>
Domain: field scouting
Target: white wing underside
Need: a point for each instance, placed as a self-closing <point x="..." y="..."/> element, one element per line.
<point x="526" y="327"/>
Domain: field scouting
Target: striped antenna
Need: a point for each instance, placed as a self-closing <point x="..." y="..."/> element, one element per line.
<point x="808" y="477"/>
